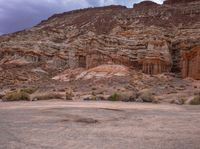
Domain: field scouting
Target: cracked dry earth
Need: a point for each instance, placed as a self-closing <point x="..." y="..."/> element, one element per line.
<point x="98" y="125"/>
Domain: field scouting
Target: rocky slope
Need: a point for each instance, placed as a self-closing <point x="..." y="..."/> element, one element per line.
<point x="148" y="38"/>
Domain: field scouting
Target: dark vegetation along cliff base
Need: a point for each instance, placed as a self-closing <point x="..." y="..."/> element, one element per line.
<point x="148" y="53"/>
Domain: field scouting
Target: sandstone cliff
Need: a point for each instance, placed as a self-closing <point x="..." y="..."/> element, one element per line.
<point x="148" y="37"/>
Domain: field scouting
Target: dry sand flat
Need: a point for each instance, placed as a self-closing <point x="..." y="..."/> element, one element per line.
<point x="98" y="125"/>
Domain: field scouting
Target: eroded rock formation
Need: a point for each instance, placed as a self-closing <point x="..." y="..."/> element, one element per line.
<point x="148" y="37"/>
<point x="157" y="59"/>
<point x="191" y="63"/>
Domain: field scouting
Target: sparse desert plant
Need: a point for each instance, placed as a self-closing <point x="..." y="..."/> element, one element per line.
<point x="147" y="96"/>
<point x="16" y="96"/>
<point x="118" y="97"/>
<point x="121" y="97"/>
<point x="29" y="90"/>
<point x="195" y="100"/>
<point x="1" y="96"/>
<point x="47" y="96"/>
<point x="114" y="97"/>
<point x="182" y="100"/>
<point x="68" y="95"/>
<point x="133" y="96"/>
<point x="95" y="98"/>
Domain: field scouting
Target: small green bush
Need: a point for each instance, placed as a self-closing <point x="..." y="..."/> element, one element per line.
<point x="195" y="100"/>
<point x="47" y="96"/>
<point x="114" y="97"/>
<point x="16" y="96"/>
<point x="119" y="97"/>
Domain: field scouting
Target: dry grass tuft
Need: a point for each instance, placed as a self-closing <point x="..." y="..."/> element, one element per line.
<point x="47" y="96"/>
<point x="118" y="97"/>
<point x="147" y="96"/>
<point x="195" y="100"/>
<point x="16" y="96"/>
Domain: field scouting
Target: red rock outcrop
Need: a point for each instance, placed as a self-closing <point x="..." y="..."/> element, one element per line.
<point x="158" y="58"/>
<point x="191" y="63"/>
<point x="149" y="38"/>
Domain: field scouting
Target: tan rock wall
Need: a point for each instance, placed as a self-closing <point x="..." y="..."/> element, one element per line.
<point x="191" y="63"/>
<point x="157" y="59"/>
<point x="155" y="66"/>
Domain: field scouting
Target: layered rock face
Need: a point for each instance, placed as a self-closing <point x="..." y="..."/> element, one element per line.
<point x="148" y="37"/>
<point x="158" y="58"/>
<point x="191" y="63"/>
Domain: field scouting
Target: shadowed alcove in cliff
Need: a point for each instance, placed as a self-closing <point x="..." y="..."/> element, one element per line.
<point x="191" y="63"/>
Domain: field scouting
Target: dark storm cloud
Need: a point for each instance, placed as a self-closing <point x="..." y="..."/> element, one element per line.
<point x="20" y="14"/>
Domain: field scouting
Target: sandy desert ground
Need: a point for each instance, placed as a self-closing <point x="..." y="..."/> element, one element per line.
<point x="98" y="125"/>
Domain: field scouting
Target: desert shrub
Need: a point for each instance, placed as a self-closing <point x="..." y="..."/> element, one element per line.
<point x="95" y="98"/>
<point x="16" y="96"/>
<point x="195" y="100"/>
<point x="114" y="97"/>
<point x="147" y="96"/>
<point x="131" y="97"/>
<point x="182" y="101"/>
<point x="124" y="96"/>
<point x="68" y="95"/>
<point x="47" y="96"/>
<point x="29" y="90"/>
<point x="118" y="97"/>
<point x="1" y="96"/>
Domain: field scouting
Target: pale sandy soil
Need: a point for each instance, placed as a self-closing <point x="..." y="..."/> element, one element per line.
<point x="98" y="125"/>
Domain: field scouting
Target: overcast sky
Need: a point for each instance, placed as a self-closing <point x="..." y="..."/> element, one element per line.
<point x="16" y="15"/>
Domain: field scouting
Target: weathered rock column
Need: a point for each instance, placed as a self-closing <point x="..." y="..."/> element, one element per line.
<point x="191" y="63"/>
